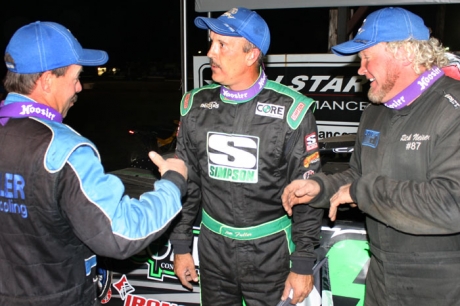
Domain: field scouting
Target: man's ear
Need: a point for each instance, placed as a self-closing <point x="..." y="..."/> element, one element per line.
<point x="46" y="80"/>
<point x="252" y="56"/>
<point x="404" y="57"/>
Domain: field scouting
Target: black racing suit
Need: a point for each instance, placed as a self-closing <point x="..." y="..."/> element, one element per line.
<point x="240" y="158"/>
<point x="405" y="175"/>
<point x="58" y="209"/>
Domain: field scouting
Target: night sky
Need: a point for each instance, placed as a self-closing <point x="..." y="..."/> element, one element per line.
<point x="150" y="31"/>
<point x="126" y="32"/>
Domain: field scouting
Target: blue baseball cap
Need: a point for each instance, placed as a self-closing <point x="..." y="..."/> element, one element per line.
<point x="385" y="25"/>
<point x="239" y="22"/>
<point x="43" y="46"/>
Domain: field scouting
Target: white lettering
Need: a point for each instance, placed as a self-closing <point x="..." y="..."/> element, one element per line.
<point x="335" y="84"/>
<point x="168" y="266"/>
<point x="279" y="78"/>
<point x="299" y="81"/>
<point x="262" y="81"/>
<point x="242" y="234"/>
<point x="318" y="79"/>
<point x="418" y="137"/>
<point x="414" y="137"/>
<point x="355" y="82"/>
<point x="230" y="154"/>
<point x="426" y="80"/>
<point x="237" y="95"/>
<point x="452" y="100"/>
<point x="342" y="105"/>
<point x="30" y="109"/>
<point x="406" y="137"/>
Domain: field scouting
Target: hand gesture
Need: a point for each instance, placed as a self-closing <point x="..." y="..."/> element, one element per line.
<point x="299" y="192"/>
<point x="163" y="165"/>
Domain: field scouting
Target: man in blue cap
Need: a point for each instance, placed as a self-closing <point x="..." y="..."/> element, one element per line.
<point x="404" y="172"/>
<point x="244" y="138"/>
<point x="58" y="208"/>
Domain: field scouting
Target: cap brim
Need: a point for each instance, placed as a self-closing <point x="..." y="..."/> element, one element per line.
<point x="215" y="25"/>
<point x="351" y="47"/>
<point x="92" y="57"/>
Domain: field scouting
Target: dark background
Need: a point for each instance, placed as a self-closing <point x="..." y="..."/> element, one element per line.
<point x="147" y="33"/>
<point x="143" y="40"/>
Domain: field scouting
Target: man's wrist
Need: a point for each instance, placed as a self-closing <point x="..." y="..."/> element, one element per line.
<point x="177" y="179"/>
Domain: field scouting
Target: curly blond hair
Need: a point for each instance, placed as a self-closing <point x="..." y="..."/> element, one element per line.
<point x="423" y="53"/>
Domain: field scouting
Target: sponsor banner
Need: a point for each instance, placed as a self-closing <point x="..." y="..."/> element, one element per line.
<point x="340" y="94"/>
<point x="328" y="129"/>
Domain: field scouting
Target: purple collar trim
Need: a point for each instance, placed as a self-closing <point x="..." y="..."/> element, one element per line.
<point x="227" y="94"/>
<point x="422" y="83"/>
<point x="27" y="109"/>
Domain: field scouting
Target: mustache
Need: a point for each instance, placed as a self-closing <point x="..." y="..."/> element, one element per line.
<point x="74" y="99"/>
<point x="213" y="63"/>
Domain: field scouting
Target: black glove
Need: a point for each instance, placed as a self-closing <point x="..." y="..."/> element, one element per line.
<point x="104" y="281"/>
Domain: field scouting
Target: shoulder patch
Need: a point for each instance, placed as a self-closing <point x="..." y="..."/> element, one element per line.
<point x="186" y="103"/>
<point x="187" y="99"/>
<point x="297" y="112"/>
<point x="299" y="106"/>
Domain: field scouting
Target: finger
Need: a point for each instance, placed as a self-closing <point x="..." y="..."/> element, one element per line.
<point x="332" y="212"/>
<point x="194" y="275"/>
<point x="288" y="209"/>
<point x="286" y="292"/>
<point x="187" y="284"/>
<point x="156" y="158"/>
<point x="284" y="196"/>
<point x="296" y="298"/>
<point x="285" y="203"/>
<point x="185" y="280"/>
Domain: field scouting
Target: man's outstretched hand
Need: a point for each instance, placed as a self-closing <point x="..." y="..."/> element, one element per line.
<point x="299" y="192"/>
<point x="163" y="165"/>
